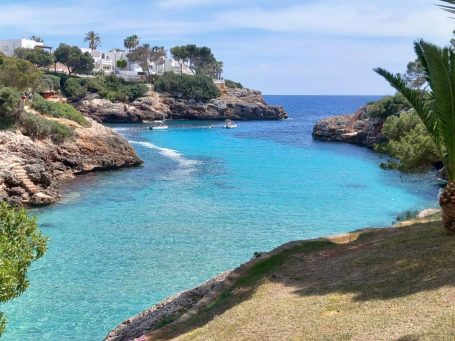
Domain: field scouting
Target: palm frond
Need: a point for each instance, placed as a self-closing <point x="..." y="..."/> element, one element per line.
<point x="441" y="70"/>
<point x="450" y="7"/>
<point x="420" y="105"/>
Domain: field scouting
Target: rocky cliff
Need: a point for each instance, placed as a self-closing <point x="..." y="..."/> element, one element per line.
<point x="30" y="170"/>
<point x="357" y="128"/>
<point x="236" y="104"/>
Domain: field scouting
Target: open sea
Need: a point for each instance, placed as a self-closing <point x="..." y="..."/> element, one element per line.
<point x="203" y="202"/>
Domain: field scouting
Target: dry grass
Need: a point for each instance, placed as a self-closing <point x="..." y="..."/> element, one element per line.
<point x="393" y="284"/>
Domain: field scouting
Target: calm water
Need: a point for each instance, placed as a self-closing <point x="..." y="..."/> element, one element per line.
<point x="204" y="201"/>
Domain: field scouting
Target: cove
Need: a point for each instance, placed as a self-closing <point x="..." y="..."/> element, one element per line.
<point x="203" y="202"/>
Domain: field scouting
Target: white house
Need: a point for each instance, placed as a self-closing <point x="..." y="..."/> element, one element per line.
<point x="106" y="62"/>
<point x="7" y="47"/>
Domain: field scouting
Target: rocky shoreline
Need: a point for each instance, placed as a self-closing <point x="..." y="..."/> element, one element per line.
<point x="358" y="128"/>
<point x="31" y="170"/>
<point x="235" y="104"/>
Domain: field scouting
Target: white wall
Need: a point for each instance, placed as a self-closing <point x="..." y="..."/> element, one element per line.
<point x="7" y="47"/>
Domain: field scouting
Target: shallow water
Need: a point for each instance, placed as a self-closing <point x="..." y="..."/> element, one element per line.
<point x="204" y="201"/>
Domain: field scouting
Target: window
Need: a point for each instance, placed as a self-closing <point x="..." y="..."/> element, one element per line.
<point x="5" y="48"/>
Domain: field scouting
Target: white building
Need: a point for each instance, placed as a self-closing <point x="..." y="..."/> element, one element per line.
<point x="7" y="47"/>
<point x="106" y="62"/>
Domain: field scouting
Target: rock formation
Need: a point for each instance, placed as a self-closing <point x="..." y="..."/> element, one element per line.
<point x="358" y="128"/>
<point x="237" y="104"/>
<point x="31" y="170"/>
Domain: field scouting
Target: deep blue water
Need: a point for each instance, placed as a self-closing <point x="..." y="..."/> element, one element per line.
<point x="204" y="202"/>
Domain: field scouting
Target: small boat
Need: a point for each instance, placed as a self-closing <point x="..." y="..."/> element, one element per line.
<point x="229" y="124"/>
<point x="158" y="125"/>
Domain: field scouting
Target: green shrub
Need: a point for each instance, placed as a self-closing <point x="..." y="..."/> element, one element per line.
<point x="114" y="88"/>
<point x="388" y="106"/>
<point x="196" y="87"/>
<point x="10" y="107"/>
<point x="121" y="64"/>
<point x="75" y="88"/>
<point x="59" y="110"/>
<point x="19" y="74"/>
<point x="49" y="83"/>
<point x="40" y="128"/>
<point x="409" y="143"/>
<point x="232" y="84"/>
<point x="21" y="243"/>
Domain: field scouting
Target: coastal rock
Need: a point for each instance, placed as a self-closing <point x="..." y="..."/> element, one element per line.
<point x="237" y="104"/>
<point x="358" y="128"/>
<point x="165" y="311"/>
<point x="30" y="170"/>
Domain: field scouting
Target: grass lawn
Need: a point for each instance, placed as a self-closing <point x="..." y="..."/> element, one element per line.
<point x="389" y="284"/>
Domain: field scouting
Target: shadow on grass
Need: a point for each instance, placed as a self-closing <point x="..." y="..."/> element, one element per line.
<point x="380" y="265"/>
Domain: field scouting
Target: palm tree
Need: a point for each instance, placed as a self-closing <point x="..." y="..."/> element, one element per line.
<point x="131" y="42"/>
<point x="93" y="39"/>
<point x="436" y="109"/>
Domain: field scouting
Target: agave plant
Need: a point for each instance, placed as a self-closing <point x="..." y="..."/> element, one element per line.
<point x="436" y="109"/>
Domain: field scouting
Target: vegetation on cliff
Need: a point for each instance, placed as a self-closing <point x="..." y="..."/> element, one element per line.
<point x="21" y="243"/>
<point x="408" y="142"/>
<point x="198" y="87"/>
<point x="108" y="87"/>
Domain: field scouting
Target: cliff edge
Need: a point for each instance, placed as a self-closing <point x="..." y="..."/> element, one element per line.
<point x="235" y="103"/>
<point x="30" y="169"/>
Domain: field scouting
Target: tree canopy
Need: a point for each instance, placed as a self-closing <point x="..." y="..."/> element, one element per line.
<point x="21" y="243"/>
<point x="37" y="56"/>
<point x="200" y="60"/>
<point x="145" y="54"/>
<point x="74" y="59"/>
<point x="19" y="74"/>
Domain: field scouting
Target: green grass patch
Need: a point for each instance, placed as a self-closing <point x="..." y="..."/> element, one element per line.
<point x="58" y="110"/>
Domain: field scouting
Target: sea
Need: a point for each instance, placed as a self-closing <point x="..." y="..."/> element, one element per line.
<point x="204" y="201"/>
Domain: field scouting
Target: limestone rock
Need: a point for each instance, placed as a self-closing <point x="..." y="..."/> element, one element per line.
<point x="358" y="128"/>
<point x="237" y="104"/>
<point x="30" y="170"/>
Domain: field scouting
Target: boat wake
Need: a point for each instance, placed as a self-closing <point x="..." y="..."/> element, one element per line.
<point x="170" y="153"/>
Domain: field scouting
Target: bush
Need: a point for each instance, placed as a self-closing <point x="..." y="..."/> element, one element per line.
<point x="40" y="128"/>
<point x="10" y="107"/>
<point x="21" y="243"/>
<point x="75" y="88"/>
<point x="49" y="83"/>
<point x="196" y="87"/>
<point x="109" y="87"/>
<point x="232" y="84"/>
<point x="121" y="64"/>
<point x="388" y="106"/>
<point x="59" y="110"/>
<point x="409" y="142"/>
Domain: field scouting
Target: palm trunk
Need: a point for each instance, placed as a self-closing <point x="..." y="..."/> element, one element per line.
<point x="447" y="202"/>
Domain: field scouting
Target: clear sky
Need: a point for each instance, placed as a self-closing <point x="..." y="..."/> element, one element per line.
<point x="277" y="46"/>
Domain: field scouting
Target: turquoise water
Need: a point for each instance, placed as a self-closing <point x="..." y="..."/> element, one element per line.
<point x="204" y="201"/>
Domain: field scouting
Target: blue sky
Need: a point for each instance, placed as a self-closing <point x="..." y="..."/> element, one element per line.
<point x="278" y="46"/>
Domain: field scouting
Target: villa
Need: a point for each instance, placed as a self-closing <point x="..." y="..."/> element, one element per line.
<point x="7" y="47"/>
<point x="106" y="62"/>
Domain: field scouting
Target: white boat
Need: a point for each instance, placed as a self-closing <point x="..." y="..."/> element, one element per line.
<point x="229" y="124"/>
<point x="158" y="125"/>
